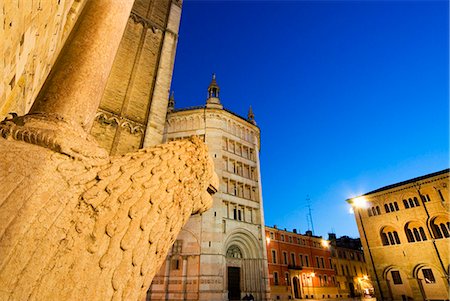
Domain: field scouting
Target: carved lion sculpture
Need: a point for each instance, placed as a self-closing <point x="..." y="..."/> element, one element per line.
<point x="76" y="224"/>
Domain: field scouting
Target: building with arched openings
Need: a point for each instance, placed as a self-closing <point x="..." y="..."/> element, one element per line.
<point x="220" y="254"/>
<point x="406" y="242"/>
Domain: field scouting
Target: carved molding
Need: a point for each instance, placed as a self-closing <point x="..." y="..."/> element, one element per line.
<point x="106" y="118"/>
<point x="145" y="22"/>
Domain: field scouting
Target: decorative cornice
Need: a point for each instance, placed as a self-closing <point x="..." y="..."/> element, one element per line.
<point x="148" y="23"/>
<point x="107" y="118"/>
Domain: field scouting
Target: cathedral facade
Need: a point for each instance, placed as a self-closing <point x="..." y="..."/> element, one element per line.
<point x="220" y="254"/>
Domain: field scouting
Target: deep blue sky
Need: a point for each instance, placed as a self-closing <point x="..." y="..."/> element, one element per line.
<point x="350" y="96"/>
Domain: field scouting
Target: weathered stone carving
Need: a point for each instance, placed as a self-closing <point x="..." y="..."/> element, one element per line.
<point x="75" y="223"/>
<point x="106" y="118"/>
<point x="87" y="226"/>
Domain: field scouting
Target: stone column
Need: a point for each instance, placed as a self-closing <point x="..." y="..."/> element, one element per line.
<point x="75" y="86"/>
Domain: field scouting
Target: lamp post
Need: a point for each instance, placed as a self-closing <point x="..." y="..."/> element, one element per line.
<point x="359" y="203"/>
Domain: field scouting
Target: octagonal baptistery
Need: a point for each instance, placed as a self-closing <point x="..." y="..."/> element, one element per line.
<point x="220" y="254"/>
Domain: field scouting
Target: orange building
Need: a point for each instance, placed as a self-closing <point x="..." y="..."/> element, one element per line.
<point x="300" y="266"/>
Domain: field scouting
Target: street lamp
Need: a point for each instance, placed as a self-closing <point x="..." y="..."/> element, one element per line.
<point x="360" y="203"/>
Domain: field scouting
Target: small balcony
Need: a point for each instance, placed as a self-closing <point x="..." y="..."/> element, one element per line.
<point x="294" y="267"/>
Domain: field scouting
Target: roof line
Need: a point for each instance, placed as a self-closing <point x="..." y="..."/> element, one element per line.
<point x="406" y="182"/>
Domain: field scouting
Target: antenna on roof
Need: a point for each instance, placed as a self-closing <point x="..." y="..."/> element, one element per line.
<point x="309" y="215"/>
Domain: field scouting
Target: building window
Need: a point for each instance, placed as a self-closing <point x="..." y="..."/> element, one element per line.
<point x="275" y="278"/>
<point x="389" y="237"/>
<point x="290" y="239"/>
<point x="175" y="264"/>
<point x="293" y="259"/>
<point x="285" y="257"/>
<point x="317" y="262"/>
<point x="321" y="261"/>
<point x="286" y="278"/>
<point x="282" y="237"/>
<point x="391" y="207"/>
<point x="396" y="277"/>
<point x="440" y="227"/>
<point x="428" y="276"/>
<point x="330" y="262"/>
<point x="307" y="260"/>
<point x="414" y="234"/>
<point x="411" y="203"/>
<point x="301" y="259"/>
<point x="271" y="235"/>
<point x="405" y="203"/>
<point x="274" y="256"/>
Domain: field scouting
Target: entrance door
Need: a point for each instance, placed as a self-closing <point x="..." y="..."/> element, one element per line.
<point x="296" y="288"/>
<point x="234" y="283"/>
<point x="352" y="289"/>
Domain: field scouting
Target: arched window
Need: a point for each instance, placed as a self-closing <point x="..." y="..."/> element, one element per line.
<point x="405" y="202"/>
<point x="444" y="230"/>
<point x="369" y="212"/>
<point x="391" y="207"/>
<point x="422" y="233"/>
<point x="416" y="201"/>
<point x="286" y="278"/>
<point x="389" y="236"/>
<point x="411" y="203"/>
<point x="409" y="235"/>
<point x="396" y="206"/>
<point x="378" y="210"/>
<point x="414" y="232"/>
<point x="386" y="208"/>
<point x="384" y="239"/>
<point x="373" y="211"/>
<point x="440" y="227"/>
<point x="397" y="239"/>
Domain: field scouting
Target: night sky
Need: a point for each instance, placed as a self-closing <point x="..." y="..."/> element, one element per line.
<point x="350" y="96"/>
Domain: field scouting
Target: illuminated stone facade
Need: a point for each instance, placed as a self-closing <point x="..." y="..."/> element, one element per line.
<point x="300" y="266"/>
<point x="405" y="234"/>
<point x="32" y="37"/>
<point x="352" y="278"/>
<point x="132" y="112"/>
<point x="133" y="109"/>
<point x="219" y="255"/>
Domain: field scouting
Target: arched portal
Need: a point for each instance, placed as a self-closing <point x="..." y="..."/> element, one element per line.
<point x="431" y="282"/>
<point x="244" y="265"/>
<point x="234" y="273"/>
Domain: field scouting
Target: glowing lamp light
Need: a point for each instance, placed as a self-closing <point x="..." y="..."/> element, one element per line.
<point x="268" y="240"/>
<point x="312" y="274"/>
<point x="360" y="202"/>
<point x="325" y="243"/>
<point x="365" y="277"/>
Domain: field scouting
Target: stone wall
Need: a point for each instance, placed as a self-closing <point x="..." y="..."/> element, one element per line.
<point x="134" y="104"/>
<point x="32" y="35"/>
